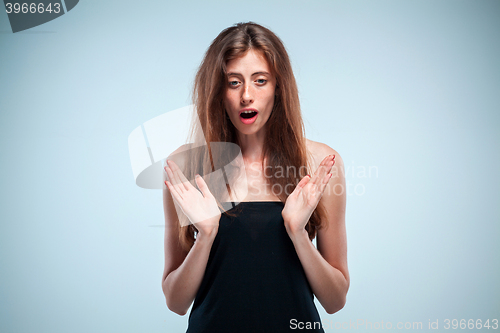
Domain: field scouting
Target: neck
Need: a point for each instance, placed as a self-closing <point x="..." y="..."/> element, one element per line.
<point x="252" y="146"/>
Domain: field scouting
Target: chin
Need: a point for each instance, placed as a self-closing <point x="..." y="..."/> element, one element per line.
<point x="246" y="132"/>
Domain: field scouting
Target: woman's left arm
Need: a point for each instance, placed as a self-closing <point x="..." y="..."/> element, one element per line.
<point x="325" y="267"/>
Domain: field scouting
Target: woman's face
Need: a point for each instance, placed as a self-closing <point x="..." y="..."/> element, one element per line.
<point x="249" y="96"/>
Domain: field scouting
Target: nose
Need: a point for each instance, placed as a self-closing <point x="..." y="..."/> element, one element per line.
<point x="247" y="95"/>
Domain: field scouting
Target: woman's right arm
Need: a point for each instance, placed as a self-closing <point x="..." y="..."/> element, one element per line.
<point x="184" y="270"/>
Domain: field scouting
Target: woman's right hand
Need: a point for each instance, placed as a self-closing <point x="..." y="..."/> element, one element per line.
<point x="200" y="207"/>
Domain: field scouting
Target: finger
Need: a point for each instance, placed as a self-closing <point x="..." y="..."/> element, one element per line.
<point x="202" y="186"/>
<point x="175" y="194"/>
<point x="303" y="182"/>
<point x="327" y="178"/>
<point x="331" y="162"/>
<point x="183" y="178"/>
<point x="325" y="181"/>
<point x="329" y="158"/>
<point x="173" y="179"/>
<point x="326" y="166"/>
<point x="320" y="171"/>
<point x="170" y="174"/>
<point x="316" y="176"/>
<point x="178" y="176"/>
<point x="321" y="188"/>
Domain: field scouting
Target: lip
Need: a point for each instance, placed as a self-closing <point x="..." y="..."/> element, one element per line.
<point x="251" y="120"/>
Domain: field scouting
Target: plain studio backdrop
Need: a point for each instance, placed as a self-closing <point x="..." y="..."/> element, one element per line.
<point x="406" y="91"/>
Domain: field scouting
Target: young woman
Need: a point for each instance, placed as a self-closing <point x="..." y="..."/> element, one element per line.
<point x="253" y="268"/>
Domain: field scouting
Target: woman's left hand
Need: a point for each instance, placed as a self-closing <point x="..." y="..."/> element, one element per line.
<point x="304" y="199"/>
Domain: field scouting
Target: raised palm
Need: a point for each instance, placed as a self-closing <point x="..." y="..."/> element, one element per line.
<point x="200" y="207"/>
<point x="304" y="199"/>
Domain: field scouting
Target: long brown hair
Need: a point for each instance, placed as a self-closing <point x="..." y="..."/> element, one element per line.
<point x="285" y="145"/>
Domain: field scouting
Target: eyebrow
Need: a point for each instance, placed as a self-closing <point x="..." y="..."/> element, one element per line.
<point x="239" y="74"/>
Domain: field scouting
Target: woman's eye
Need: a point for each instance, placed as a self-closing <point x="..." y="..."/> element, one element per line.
<point x="261" y="81"/>
<point x="233" y="83"/>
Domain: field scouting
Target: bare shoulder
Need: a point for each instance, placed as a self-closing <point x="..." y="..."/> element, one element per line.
<point x="177" y="151"/>
<point x="318" y="151"/>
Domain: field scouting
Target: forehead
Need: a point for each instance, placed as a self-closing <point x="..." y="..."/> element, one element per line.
<point x="251" y="61"/>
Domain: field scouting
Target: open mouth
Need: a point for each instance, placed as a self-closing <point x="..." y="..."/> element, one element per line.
<point x="248" y="114"/>
<point x="247" y="117"/>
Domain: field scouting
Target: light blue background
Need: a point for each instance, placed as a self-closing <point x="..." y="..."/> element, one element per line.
<point x="410" y="88"/>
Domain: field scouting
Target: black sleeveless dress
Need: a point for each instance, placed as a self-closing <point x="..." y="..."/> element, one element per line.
<point x="254" y="281"/>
